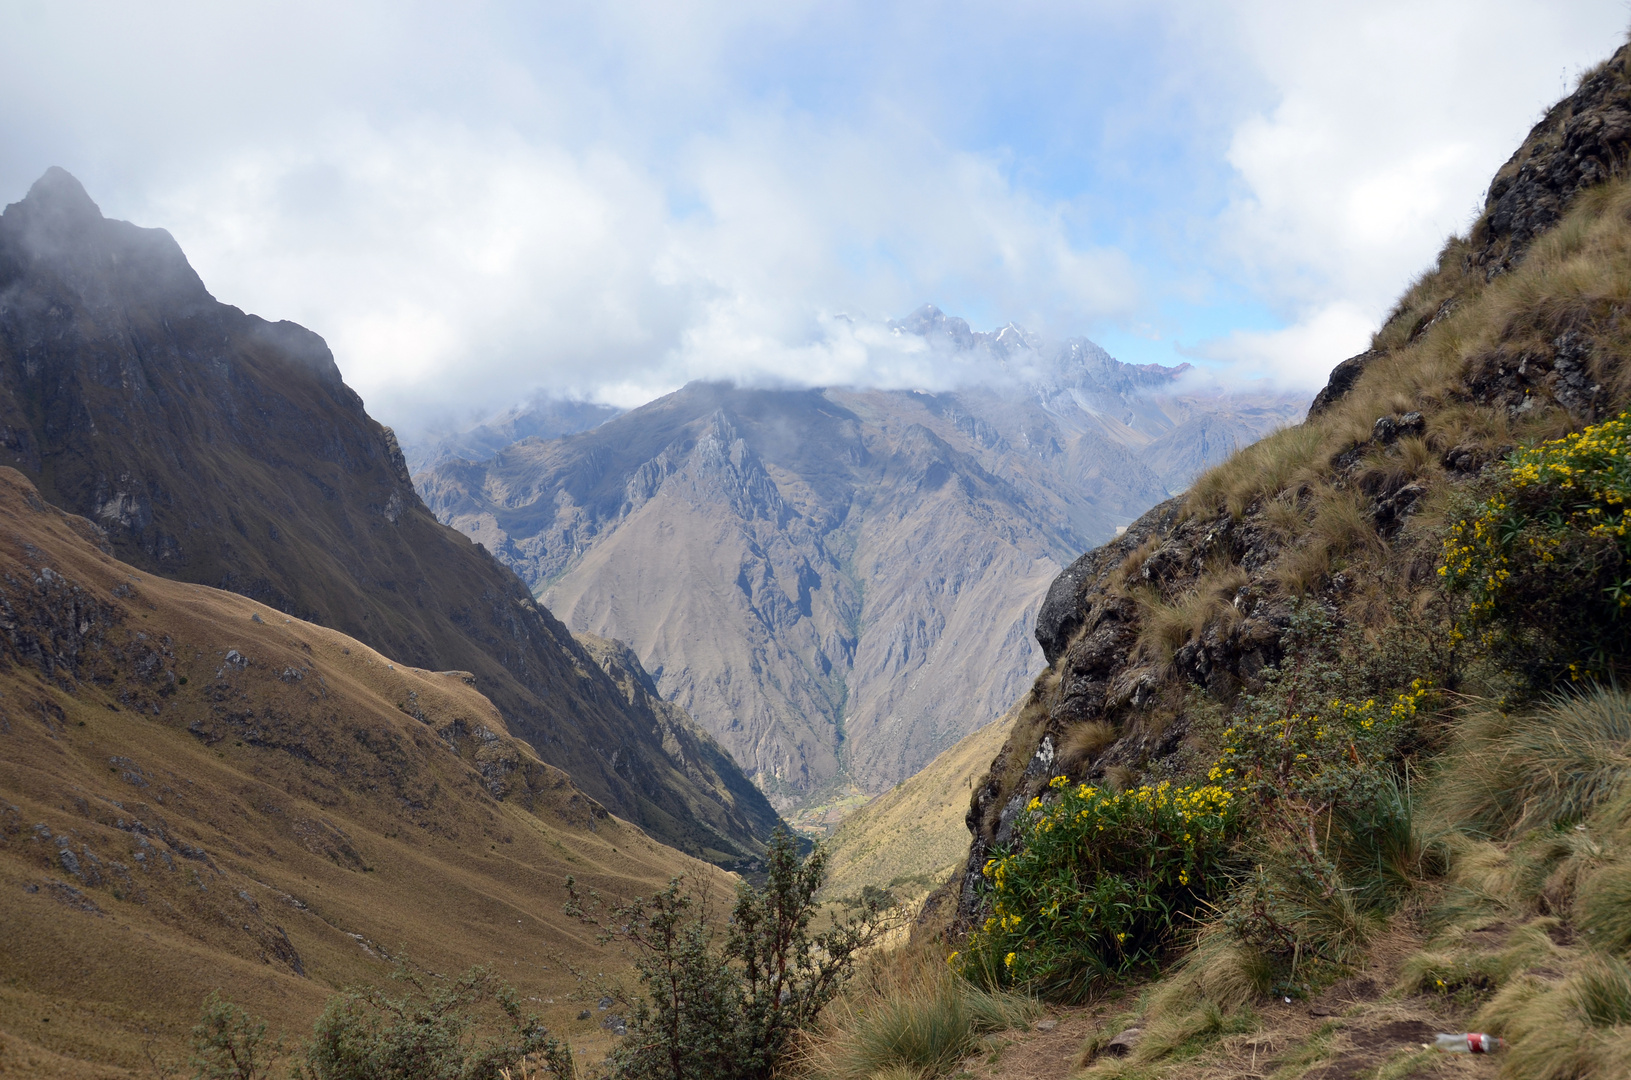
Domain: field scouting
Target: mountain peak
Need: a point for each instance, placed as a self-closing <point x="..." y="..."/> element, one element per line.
<point x="59" y="191"/>
<point x="58" y="202"/>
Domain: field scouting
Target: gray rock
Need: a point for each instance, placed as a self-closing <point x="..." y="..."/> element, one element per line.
<point x="1124" y="1043"/>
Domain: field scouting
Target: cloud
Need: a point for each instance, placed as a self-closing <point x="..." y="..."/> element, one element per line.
<point x="442" y="262"/>
<point x="1299" y="355"/>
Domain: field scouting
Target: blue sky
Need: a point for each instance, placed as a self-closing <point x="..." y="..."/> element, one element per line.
<point x="477" y="202"/>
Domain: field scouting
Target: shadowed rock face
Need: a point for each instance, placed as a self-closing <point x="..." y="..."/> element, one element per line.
<point x="218" y="448"/>
<point x="837" y="584"/>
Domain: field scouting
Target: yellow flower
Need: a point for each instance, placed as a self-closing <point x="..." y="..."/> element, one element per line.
<point x="1008" y="961"/>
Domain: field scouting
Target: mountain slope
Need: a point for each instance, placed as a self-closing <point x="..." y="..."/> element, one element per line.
<point x="1515" y="336"/>
<point x="915" y="830"/>
<point x="218" y="448"/>
<point x="840" y="584"/>
<point x="199" y="792"/>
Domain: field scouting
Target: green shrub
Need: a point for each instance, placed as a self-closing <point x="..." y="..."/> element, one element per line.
<point x="428" y="1032"/>
<point x="1334" y="839"/>
<point x="731" y="1010"/>
<point x="1096" y="883"/>
<point x="1545" y="559"/>
<point x="229" y="1044"/>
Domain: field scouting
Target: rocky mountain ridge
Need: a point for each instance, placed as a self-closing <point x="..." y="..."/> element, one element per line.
<point x="218" y="448"/>
<point x="836" y="583"/>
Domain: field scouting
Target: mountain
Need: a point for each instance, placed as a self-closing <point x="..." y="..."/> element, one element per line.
<point x="543" y="418"/>
<point x="1513" y="337"/>
<point x="199" y="792"/>
<point x="218" y="448"/>
<point x="839" y="584"/>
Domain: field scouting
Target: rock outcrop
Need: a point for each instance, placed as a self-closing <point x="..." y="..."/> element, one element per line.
<point x="1196" y="596"/>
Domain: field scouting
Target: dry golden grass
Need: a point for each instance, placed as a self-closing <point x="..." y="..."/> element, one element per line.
<point x="916" y="829"/>
<point x="313" y="810"/>
<point x="1084" y="742"/>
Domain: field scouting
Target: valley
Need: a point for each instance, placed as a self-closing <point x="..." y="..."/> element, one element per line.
<point x="1063" y="718"/>
<point x="839" y="584"/>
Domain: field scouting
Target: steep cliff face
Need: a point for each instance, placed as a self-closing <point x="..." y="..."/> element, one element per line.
<point x="218" y="448"/>
<point x="840" y="584"/>
<point x="1517" y="333"/>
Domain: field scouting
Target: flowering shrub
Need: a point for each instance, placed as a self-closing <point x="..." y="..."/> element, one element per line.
<point x="1333" y="833"/>
<point x="1312" y="760"/>
<point x="1096" y="882"/>
<point x="1543" y="561"/>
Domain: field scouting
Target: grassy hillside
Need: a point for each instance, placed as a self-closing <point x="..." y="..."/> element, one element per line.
<point x="913" y="836"/>
<point x="199" y="792"/>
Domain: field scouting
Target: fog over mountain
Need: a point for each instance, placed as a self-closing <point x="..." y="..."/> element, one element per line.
<point x="840" y="583"/>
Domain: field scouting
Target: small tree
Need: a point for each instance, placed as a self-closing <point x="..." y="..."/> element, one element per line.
<point x="428" y="1033"/>
<point x="730" y="1011"/>
<point x="229" y="1044"/>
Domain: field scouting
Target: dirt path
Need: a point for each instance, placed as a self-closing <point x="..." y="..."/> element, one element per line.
<point x="1347" y="1032"/>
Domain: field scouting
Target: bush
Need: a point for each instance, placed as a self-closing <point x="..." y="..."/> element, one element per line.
<point x="229" y="1044"/>
<point x="1335" y="840"/>
<point x="730" y="1011"/>
<point x="1543" y="560"/>
<point x="1096" y="883"/>
<point x="428" y="1033"/>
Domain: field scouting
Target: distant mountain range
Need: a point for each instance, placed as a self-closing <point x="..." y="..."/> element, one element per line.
<point x="218" y="448"/>
<point x="839" y="584"/>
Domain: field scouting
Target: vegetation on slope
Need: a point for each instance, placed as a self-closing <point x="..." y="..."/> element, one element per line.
<point x="198" y="792"/>
<point x="1390" y="636"/>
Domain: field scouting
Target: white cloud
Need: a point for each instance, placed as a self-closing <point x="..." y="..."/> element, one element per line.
<point x="1299" y="355"/>
<point x="445" y="265"/>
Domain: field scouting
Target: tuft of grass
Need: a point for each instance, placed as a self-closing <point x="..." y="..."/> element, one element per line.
<point x="1603" y="907"/>
<point x="1579" y="1028"/>
<point x="1084" y="742"/>
<point x="1455" y="961"/>
<point x="1209" y="994"/>
<point x="1165" y="626"/>
<point x="1511" y="773"/>
<point x="921" y="1022"/>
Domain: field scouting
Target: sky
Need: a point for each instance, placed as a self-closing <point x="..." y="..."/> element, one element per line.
<point x="476" y="203"/>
